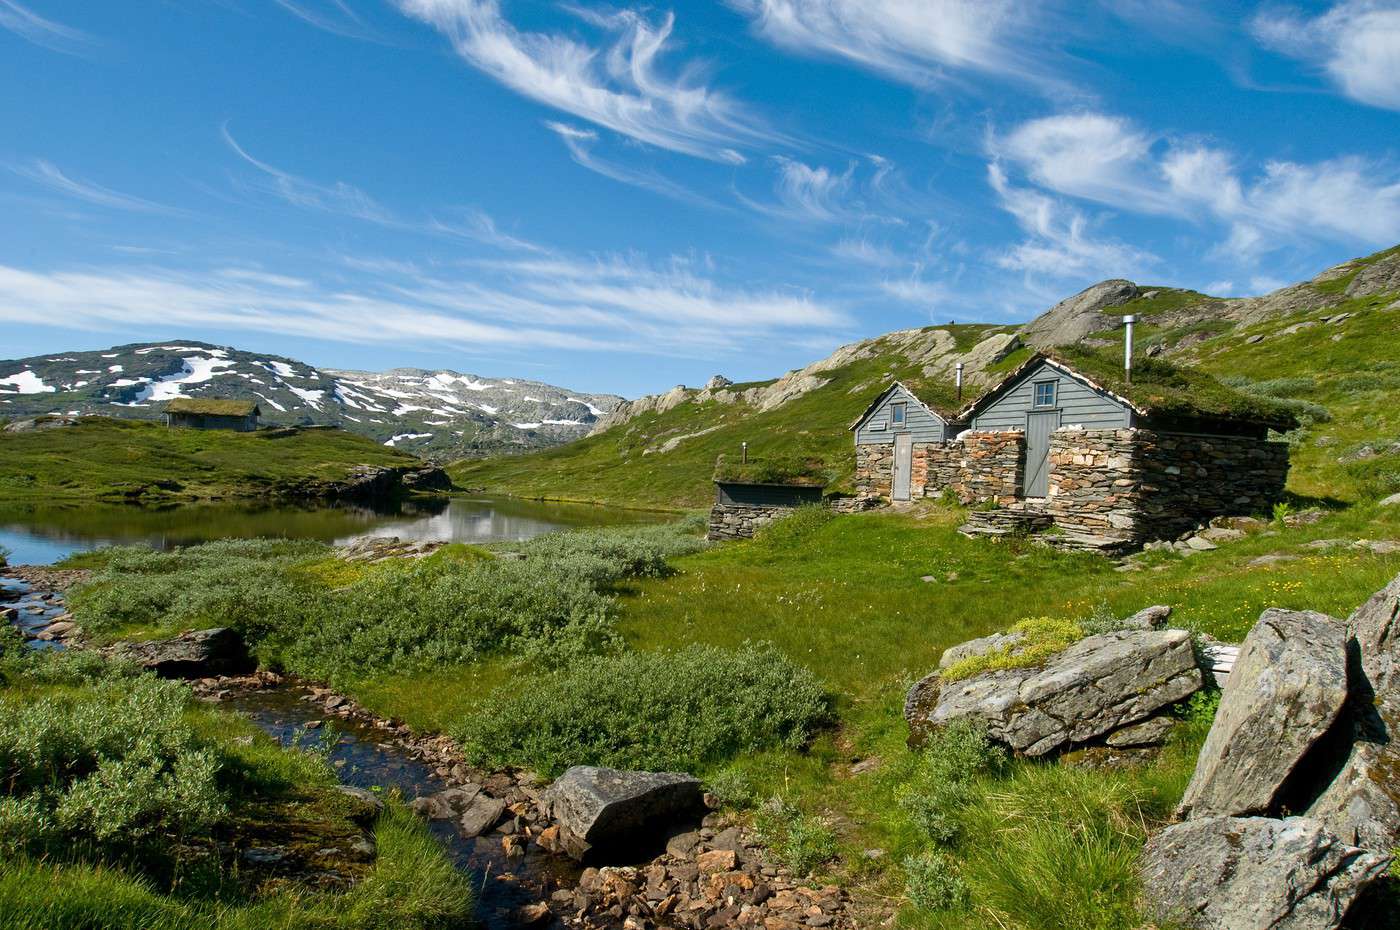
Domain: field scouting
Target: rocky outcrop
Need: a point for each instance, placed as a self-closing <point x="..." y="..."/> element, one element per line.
<point x="1362" y="803"/>
<point x="1254" y="873"/>
<point x="1073" y="318"/>
<point x="602" y="812"/>
<point x="367" y="483"/>
<point x="199" y="654"/>
<point x="1098" y="685"/>
<point x="1286" y="688"/>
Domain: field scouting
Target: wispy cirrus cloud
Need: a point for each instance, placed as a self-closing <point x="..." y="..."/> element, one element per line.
<point x="919" y="42"/>
<point x="333" y="16"/>
<point x="621" y="304"/>
<point x="29" y="25"/>
<point x="581" y="144"/>
<point x="344" y="199"/>
<point x="620" y="86"/>
<point x="1108" y="160"/>
<point x="1356" y="43"/>
<point x="50" y="176"/>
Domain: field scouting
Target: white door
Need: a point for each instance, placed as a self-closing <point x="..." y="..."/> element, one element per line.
<point x="903" y="465"/>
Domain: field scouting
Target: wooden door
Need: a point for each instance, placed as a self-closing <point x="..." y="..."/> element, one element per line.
<point x="903" y="465"/>
<point x="1039" y="426"/>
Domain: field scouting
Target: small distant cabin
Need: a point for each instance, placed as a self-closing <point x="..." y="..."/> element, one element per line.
<point x="210" y="413"/>
<point x="749" y="494"/>
<point x="1067" y="441"/>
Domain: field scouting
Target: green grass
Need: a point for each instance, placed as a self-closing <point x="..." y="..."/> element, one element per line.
<point x="129" y="459"/>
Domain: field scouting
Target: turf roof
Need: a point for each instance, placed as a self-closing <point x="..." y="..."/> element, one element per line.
<point x="1158" y="389"/>
<point x="211" y="406"/>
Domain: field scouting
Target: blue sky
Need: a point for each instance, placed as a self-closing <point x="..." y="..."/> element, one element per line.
<point x="626" y="197"/>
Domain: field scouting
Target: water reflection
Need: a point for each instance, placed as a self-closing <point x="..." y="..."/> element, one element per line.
<point x="40" y="535"/>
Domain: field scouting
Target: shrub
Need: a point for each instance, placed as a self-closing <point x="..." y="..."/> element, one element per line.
<point x="1039" y="639"/>
<point x="650" y="710"/>
<point x="943" y="783"/>
<point x="4" y="556"/>
<point x="113" y="765"/>
<point x="606" y="556"/>
<point x="732" y="787"/>
<point x="932" y="882"/>
<point x="801" y="841"/>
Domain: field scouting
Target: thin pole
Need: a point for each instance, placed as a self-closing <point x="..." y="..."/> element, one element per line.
<point x="1128" y="322"/>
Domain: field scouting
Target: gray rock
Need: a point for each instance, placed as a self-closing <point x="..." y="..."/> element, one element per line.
<point x="1362" y="803"/>
<point x="1201" y="544"/>
<point x="200" y="654"/>
<point x="1286" y="688"/>
<point x="1149" y="618"/>
<point x="976" y="647"/>
<point x="1273" y="558"/>
<point x="1254" y="873"/>
<point x="1098" y="685"/>
<point x="482" y="814"/>
<point x="1222" y="534"/>
<point x="1070" y="320"/>
<point x="716" y="382"/>
<point x="446" y="804"/>
<point x="368" y="806"/>
<point x="1150" y="732"/>
<point x="1391" y="501"/>
<point x="609" y="810"/>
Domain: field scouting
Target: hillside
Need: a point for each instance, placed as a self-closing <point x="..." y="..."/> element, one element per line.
<point x="131" y="460"/>
<point x="436" y="414"/>
<point x="1325" y="347"/>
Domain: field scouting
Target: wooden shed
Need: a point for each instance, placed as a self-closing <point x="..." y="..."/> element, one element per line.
<point x="212" y="413"/>
<point x="899" y="419"/>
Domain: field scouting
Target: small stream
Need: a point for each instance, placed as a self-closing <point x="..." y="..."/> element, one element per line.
<point x="367" y="757"/>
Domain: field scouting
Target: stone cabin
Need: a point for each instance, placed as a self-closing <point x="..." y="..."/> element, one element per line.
<point x="1065" y="444"/>
<point x="212" y="413"/>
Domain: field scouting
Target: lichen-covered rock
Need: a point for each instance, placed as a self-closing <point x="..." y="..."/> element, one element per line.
<point x="1362" y="804"/>
<point x="200" y="654"/>
<point x="1287" y="687"/>
<point x="976" y="647"/>
<point x="1098" y="685"/>
<point x="1254" y="873"/>
<point x="1149" y="618"/>
<point x="608" y="810"/>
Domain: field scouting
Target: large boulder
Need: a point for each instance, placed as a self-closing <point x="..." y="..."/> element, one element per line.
<point x="1287" y="687"/>
<point x="200" y="654"/>
<point x="1254" y="873"/>
<point x="606" y="812"/>
<point x="1098" y="685"/>
<point x="1362" y="802"/>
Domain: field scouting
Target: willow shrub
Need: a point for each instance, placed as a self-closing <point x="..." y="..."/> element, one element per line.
<point x="650" y="710"/>
<point x="114" y="765"/>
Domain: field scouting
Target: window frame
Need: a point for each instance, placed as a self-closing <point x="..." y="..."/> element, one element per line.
<point x="1036" y="402"/>
<point x="899" y="414"/>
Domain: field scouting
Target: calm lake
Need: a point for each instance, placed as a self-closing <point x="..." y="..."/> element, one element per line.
<point x="40" y="535"/>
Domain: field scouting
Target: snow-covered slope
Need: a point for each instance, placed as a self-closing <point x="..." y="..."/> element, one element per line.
<point x="440" y="414"/>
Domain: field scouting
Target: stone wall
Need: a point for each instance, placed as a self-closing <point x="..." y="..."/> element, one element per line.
<point x="875" y="469"/>
<point x="976" y="467"/>
<point x="741" y="521"/>
<point x="1133" y="485"/>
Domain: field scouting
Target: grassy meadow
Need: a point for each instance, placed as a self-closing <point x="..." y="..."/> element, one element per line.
<point x="110" y="459"/>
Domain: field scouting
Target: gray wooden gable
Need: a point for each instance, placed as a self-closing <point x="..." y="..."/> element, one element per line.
<point x="877" y="427"/>
<point x="1078" y="403"/>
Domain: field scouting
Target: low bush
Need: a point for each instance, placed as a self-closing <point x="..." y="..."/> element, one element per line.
<point x="943" y="783"/>
<point x="113" y="765"/>
<point x="932" y="882"/>
<point x="1037" y="640"/>
<point x="606" y="556"/>
<point x="649" y="710"/>
<point x="801" y="841"/>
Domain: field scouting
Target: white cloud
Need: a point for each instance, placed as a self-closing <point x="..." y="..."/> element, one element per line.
<point x="31" y="26"/>
<point x="915" y="290"/>
<point x="521" y="305"/>
<point x="620" y="87"/>
<point x="337" y="18"/>
<point x="581" y="142"/>
<point x="1356" y="43"/>
<point x="1106" y="159"/>
<point x="1059" y="243"/>
<point x="919" y="42"/>
<point x="45" y="173"/>
<point x="814" y="193"/>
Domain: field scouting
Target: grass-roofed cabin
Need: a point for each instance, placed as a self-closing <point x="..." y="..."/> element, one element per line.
<point x="210" y="413"/>
<point x="1067" y="440"/>
<point x="750" y="493"/>
<point x="893" y="439"/>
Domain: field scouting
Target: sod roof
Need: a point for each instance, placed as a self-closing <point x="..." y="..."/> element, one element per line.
<point x="212" y="406"/>
<point x="1158" y="390"/>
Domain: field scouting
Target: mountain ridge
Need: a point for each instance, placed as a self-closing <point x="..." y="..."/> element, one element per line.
<point x="438" y="414"/>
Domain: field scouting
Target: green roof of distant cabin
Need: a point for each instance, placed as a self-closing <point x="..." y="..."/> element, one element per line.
<point x="211" y="406"/>
<point x="1159" y="389"/>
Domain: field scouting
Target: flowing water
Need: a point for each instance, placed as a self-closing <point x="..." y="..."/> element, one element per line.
<point x="44" y="534"/>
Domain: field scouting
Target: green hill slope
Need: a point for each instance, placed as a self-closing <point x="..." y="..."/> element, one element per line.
<point x="130" y="459"/>
<point x="1325" y="347"/>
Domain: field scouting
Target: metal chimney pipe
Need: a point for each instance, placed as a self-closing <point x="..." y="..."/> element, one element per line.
<point x="1128" y="322"/>
<point x="960" y="376"/>
<point x="744" y="452"/>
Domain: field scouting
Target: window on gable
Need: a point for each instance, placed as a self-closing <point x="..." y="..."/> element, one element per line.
<point x="1045" y="394"/>
<point x="897" y="414"/>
